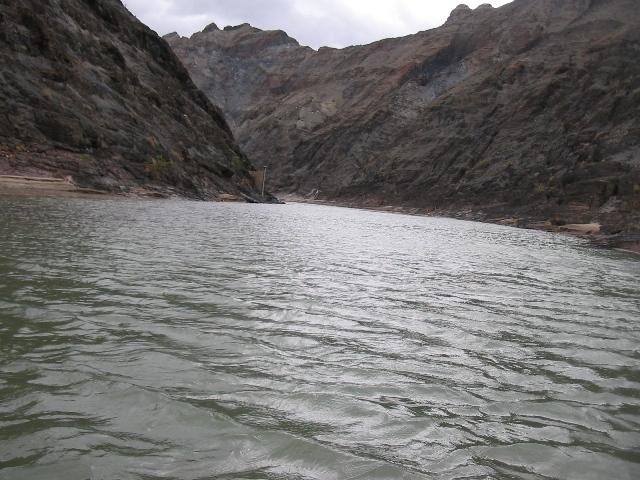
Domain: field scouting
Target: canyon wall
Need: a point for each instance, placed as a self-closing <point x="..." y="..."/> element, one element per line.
<point x="529" y="111"/>
<point x="90" y="93"/>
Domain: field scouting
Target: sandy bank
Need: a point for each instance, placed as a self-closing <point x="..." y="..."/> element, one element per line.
<point x="16" y="185"/>
<point x="25" y="185"/>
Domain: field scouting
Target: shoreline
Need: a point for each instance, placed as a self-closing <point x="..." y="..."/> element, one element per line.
<point x="588" y="231"/>
<point x="24" y="186"/>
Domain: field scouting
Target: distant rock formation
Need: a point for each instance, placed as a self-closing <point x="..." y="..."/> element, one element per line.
<point x="531" y="110"/>
<point x="89" y="92"/>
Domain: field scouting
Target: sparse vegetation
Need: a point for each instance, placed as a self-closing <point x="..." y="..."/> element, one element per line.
<point x="484" y="163"/>
<point x="158" y="167"/>
<point x="238" y="163"/>
<point x="152" y="141"/>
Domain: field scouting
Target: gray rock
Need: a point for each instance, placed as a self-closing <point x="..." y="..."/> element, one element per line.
<point x="88" y="91"/>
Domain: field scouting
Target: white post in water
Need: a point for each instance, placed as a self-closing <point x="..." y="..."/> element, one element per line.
<point x="264" y="179"/>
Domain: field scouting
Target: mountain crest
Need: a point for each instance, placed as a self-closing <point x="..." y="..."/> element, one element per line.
<point x="244" y="34"/>
<point x="242" y="26"/>
<point x="212" y="27"/>
<point x="461" y="11"/>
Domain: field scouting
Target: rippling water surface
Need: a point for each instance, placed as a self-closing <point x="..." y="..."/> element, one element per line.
<point x="184" y="340"/>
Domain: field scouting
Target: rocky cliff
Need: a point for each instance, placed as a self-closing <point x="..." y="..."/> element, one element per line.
<point x="88" y="91"/>
<point x="530" y="111"/>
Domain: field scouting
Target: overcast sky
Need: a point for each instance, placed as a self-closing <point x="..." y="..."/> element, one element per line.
<point x="335" y="23"/>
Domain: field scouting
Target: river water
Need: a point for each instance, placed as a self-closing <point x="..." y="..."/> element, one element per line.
<point x="184" y="340"/>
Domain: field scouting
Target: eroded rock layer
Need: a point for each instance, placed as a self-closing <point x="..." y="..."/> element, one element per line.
<point x="88" y="91"/>
<point x="528" y="111"/>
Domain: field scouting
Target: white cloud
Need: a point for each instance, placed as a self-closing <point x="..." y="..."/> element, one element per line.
<point x="336" y="23"/>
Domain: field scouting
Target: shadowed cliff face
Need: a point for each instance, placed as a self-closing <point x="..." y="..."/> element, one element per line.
<point x="527" y="110"/>
<point x="88" y="91"/>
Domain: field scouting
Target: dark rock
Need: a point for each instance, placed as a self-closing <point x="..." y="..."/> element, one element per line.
<point x="212" y="27"/>
<point x="231" y="28"/>
<point x="88" y="91"/>
<point x="461" y="12"/>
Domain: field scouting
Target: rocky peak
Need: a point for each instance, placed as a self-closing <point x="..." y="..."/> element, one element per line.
<point x="242" y="26"/>
<point x="243" y="36"/>
<point x="461" y="12"/>
<point x="212" y="27"/>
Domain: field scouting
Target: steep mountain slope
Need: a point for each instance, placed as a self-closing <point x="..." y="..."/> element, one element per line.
<point x="530" y="110"/>
<point x="88" y="91"/>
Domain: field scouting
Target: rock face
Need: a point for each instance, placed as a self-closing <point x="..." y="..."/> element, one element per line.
<point x="88" y="91"/>
<point x="531" y="110"/>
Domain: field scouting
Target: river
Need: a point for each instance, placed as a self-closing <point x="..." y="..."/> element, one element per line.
<point x="187" y="340"/>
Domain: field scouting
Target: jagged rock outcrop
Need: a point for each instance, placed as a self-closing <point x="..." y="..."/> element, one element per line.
<point x="88" y="91"/>
<point x="531" y="110"/>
